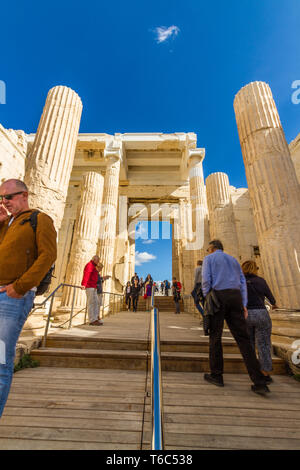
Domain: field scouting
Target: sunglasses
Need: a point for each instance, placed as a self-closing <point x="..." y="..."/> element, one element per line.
<point x="8" y="197"/>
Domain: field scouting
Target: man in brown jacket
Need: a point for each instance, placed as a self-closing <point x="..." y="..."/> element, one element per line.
<point x="25" y="258"/>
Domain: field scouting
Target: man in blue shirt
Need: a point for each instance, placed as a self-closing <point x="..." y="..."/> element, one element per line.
<point x="222" y="273"/>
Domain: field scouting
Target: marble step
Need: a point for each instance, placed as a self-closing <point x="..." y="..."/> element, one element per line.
<point x="201" y="345"/>
<point x="139" y="360"/>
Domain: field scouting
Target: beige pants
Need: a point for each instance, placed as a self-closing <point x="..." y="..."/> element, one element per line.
<point x="92" y="304"/>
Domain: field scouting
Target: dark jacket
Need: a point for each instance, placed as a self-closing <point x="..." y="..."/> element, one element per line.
<point x="211" y="304"/>
<point x="176" y="291"/>
<point x="100" y="284"/>
<point x="135" y="291"/>
<point x="258" y="289"/>
<point x="211" y="307"/>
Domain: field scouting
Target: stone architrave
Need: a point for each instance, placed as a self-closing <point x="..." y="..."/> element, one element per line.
<point x="86" y="232"/>
<point x="199" y="204"/>
<point x="108" y="226"/>
<point x="273" y="188"/>
<point x="221" y="216"/>
<point x="50" y="161"/>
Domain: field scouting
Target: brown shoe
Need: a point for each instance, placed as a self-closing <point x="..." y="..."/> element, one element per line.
<point x="96" y="323"/>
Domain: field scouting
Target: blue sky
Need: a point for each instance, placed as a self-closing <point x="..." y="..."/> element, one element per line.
<point x="108" y="52"/>
<point x="153" y="250"/>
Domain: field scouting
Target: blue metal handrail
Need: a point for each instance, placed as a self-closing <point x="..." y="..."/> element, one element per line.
<point x="157" y="441"/>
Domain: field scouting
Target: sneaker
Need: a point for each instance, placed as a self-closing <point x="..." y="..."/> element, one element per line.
<point x="260" y="389"/>
<point x="213" y="380"/>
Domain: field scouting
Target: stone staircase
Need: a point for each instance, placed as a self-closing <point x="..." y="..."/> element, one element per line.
<point x="178" y="354"/>
<point x="164" y="303"/>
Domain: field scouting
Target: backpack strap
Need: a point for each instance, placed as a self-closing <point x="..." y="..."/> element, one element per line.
<point x="32" y="219"/>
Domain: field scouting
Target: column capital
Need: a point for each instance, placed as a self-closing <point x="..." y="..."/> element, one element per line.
<point x="114" y="150"/>
<point x="195" y="156"/>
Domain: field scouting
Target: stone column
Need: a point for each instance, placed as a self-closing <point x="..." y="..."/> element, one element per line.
<point x="50" y="162"/>
<point x="199" y="204"/>
<point x="273" y="188"/>
<point x="221" y="216"/>
<point x="187" y="262"/>
<point x="107" y="235"/>
<point x="84" y="245"/>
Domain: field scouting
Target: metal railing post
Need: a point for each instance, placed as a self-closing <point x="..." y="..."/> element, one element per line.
<point x="157" y="441"/>
<point x="48" y="322"/>
<point x="72" y="309"/>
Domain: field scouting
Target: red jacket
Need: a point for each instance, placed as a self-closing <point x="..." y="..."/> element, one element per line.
<point x="90" y="275"/>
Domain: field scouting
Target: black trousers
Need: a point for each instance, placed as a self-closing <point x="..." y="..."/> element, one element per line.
<point x="128" y="300"/>
<point x="232" y="311"/>
<point x="135" y="303"/>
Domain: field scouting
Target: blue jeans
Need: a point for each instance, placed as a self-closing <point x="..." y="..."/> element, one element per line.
<point x="13" y="314"/>
<point x="259" y="326"/>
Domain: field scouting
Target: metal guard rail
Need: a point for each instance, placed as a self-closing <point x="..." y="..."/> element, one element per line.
<point x="51" y="306"/>
<point x="157" y="441"/>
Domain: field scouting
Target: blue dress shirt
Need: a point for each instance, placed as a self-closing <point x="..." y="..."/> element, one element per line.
<point x="222" y="271"/>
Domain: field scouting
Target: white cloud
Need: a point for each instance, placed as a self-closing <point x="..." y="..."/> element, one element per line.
<point x="163" y="33"/>
<point x="144" y="257"/>
<point x="148" y="242"/>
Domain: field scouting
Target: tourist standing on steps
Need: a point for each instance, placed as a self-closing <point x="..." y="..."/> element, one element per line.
<point x="100" y="281"/>
<point x="127" y="295"/>
<point x="176" y="291"/>
<point x="258" y="320"/>
<point x="133" y="278"/>
<point x="26" y="256"/>
<point x="223" y="274"/>
<point x="89" y="284"/>
<point x="148" y="291"/>
<point x="134" y="293"/>
<point x="167" y="287"/>
<point x="141" y="284"/>
<point x="197" y="291"/>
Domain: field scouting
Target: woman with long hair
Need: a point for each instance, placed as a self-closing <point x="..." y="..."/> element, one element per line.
<point x="258" y="320"/>
<point x="148" y="291"/>
<point x="128" y="295"/>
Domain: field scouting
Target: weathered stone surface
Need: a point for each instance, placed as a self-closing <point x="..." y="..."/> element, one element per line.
<point x="13" y="145"/>
<point x="295" y="154"/>
<point x="274" y="190"/>
<point x="50" y="161"/>
<point x="85" y="237"/>
<point x="198" y="201"/>
<point x="221" y="216"/>
<point x="245" y="228"/>
<point x="108" y="224"/>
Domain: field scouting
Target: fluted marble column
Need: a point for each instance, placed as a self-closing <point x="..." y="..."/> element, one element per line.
<point x="50" y="162"/>
<point x="85" y="237"/>
<point x="221" y="217"/>
<point x="199" y="204"/>
<point x="273" y="188"/>
<point x="107" y="235"/>
<point x="187" y="262"/>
